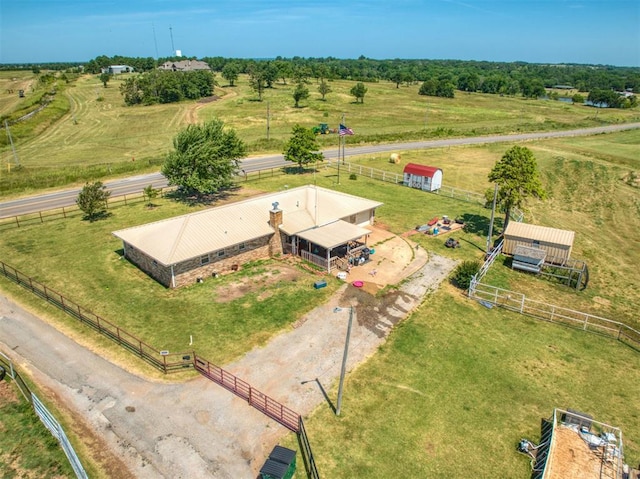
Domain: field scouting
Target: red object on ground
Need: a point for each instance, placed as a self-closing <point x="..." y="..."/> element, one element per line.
<point x="358" y="284"/>
<point x="433" y="221"/>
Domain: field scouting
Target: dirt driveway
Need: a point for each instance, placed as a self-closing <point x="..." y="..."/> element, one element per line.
<point x="197" y="429"/>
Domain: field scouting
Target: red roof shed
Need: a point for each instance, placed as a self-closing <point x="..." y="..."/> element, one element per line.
<point x="423" y="177"/>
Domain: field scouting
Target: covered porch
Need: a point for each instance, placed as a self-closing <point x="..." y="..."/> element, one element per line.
<point x="334" y="246"/>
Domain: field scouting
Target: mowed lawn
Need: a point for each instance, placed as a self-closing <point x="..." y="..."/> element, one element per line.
<point x="99" y="129"/>
<point x="457" y="386"/>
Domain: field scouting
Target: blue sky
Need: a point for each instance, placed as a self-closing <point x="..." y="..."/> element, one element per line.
<point x="536" y="31"/>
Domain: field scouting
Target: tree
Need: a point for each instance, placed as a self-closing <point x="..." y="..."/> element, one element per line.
<point x="517" y="176"/>
<point x="204" y="159"/>
<point x="300" y="93"/>
<point x="359" y="91"/>
<point x="577" y="98"/>
<point x="230" y="72"/>
<point x="104" y="78"/>
<point x="151" y="193"/>
<point x="324" y="88"/>
<point x="92" y="200"/>
<point x="302" y="147"/>
<point x="257" y="80"/>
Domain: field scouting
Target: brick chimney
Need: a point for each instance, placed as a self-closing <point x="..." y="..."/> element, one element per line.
<point x="275" y="221"/>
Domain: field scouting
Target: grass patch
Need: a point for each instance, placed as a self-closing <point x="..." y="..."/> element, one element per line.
<point x="431" y="403"/>
<point x="27" y="448"/>
<point x="451" y="398"/>
<point x="97" y="128"/>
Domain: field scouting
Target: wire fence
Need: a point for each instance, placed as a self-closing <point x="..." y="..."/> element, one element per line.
<point x="47" y="418"/>
<point x="74" y="211"/>
<point x="518" y="302"/>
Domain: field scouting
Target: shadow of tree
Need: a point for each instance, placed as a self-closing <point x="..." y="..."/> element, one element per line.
<point x="192" y="198"/>
<point x="100" y="215"/>
<point x="478" y="224"/>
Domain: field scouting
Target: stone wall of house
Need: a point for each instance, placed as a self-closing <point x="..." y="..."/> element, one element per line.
<point x="189" y="271"/>
<point x="162" y="274"/>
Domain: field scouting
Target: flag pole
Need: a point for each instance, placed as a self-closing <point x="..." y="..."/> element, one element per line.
<point x="343" y="123"/>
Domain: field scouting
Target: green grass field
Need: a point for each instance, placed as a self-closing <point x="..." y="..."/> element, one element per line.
<point x="27" y="448"/>
<point x="89" y="133"/>
<point x="457" y="385"/>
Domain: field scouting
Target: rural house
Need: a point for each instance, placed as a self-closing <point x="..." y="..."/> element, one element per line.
<point x="323" y="226"/>
<point x="184" y="66"/>
<point x="427" y="178"/>
<point x="117" y="69"/>
<point x="556" y="243"/>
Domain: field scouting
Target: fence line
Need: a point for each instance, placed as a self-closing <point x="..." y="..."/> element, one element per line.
<point x="46" y="417"/>
<point x="307" y="453"/>
<point x="13" y="374"/>
<point x="162" y="360"/>
<point x="374" y="173"/>
<point x="263" y="403"/>
<point x="489" y="261"/>
<point x="58" y="432"/>
<point x="518" y="302"/>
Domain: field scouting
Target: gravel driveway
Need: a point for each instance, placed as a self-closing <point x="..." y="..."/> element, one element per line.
<point x="197" y="429"/>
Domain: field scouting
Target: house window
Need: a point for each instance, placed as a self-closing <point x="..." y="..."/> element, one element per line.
<point x="536" y="243"/>
<point x="220" y="253"/>
<point x="242" y="246"/>
<point x="155" y="263"/>
<point x="204" y="259"/>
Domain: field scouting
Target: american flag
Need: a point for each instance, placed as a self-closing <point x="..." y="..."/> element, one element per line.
<point x="343" y="130"/>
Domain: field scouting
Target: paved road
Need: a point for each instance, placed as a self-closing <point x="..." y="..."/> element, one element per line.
<point x="136" y="184"/>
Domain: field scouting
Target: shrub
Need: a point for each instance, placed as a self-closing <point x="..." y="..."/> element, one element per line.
<point x="464" y="272"/>
<point x="353" y="176"/>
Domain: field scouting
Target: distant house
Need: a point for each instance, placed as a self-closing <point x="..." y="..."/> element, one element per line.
<point x="117" y="69"/>
<point x="323" y="226"/>
<point x="427" y="178"/>
<point x="184" y="66"/>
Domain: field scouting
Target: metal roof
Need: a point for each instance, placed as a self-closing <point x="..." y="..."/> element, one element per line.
<point x="422" y="170"/>
<point x="188" y="236"/>
<point x="334" y="234"/>
<point x="539" y="233"/>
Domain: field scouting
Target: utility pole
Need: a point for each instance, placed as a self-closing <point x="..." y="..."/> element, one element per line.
<point x="344" y="362"/>
<point x="493" y="213"/>
<point x="173" y="50"/>
<point x="268" y="118"/>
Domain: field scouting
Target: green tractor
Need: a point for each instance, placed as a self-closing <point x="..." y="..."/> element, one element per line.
<point x="321" y="129"/>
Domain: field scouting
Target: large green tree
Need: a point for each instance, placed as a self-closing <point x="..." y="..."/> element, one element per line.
<point x="518" y="178"/>
<point x="302" y="147"/>
<point x="92" y="200"/>
<point x="204" y="159"/>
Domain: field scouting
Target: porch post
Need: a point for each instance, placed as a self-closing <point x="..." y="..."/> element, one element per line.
<point x="328" y="260"/>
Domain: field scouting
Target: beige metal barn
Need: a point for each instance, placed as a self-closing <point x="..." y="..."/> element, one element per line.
<point x="556" y="242"/>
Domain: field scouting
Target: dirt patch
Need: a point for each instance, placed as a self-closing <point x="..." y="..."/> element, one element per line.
<point x="251" y="284"/>
<point x="7" y="393"/>
<point x="209" y="99"/>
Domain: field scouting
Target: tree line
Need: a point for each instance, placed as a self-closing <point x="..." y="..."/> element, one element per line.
<point x="482" y="76"/>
